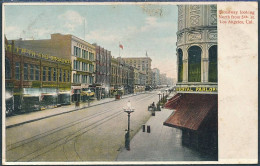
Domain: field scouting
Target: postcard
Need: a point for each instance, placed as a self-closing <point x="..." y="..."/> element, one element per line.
<point x="130" y="83"/>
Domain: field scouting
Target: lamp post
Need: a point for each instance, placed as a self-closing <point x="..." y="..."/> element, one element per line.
<point x="128" y="110"/>
<point x="88" y="92"/>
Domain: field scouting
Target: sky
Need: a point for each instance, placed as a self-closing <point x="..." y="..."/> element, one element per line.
<point x="139" y="28"/>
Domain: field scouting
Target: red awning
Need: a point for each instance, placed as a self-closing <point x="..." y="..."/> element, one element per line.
<point x="191" y="110"/>
<point x="173" y="102"/>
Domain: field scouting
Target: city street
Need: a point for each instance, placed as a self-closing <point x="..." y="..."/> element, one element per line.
<point x="91" y="134"/>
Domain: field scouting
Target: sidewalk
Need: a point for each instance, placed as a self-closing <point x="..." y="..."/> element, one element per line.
<point x="38" y="115"/>
<point x="162" y="144"/>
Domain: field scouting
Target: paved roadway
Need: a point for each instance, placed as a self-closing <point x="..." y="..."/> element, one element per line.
<point x="91" y="134"/>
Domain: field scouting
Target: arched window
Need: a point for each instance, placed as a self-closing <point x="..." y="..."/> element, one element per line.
<point x="180" y="65"/>
<point x="194" y="64"/>
<point x="7" y="69"/>
<point x="213" y="64"/>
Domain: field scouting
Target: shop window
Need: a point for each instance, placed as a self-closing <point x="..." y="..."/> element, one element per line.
<point x="180" y="65"/>
<point x="25" y="74"/>
<point x="213" y="64"/>
<point x="194" y="64"/>
<point x="7" y="69"/>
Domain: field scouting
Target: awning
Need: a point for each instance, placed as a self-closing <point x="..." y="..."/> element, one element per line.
<point x="191" y="110"/>
<point x="173" y="102"/>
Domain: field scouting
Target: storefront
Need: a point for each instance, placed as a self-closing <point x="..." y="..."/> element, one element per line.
<point x="196" y="116"/>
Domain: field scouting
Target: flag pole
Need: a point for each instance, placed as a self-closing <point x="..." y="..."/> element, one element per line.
<point x="119" y="48"/>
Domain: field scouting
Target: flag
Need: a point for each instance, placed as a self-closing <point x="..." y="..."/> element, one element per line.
<point x="121" y="46"/>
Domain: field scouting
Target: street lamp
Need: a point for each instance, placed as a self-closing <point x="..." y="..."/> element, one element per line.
<point x="88" y="92"/>
<point x="128" y="110"/>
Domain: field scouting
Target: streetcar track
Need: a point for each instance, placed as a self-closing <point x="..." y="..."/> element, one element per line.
<point x="69" y="137"/>
<point x="47" y="133"/>
<point x="106" y="120"/>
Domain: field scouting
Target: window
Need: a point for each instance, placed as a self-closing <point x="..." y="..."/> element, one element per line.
<point x="84" y="79"/>
<point x="37" y="72"/>
<point x="25" y="71"/>
<point x="44" y="74"/>
<point x="68" y="78"/>
<point x="79" y="52"/>
<point x="87" y="55"/>
<point x="7" y="69"/>
<point x="90" y="80"/>
<point x="76" y="78"/>
<point x="194" y="64"/>
<point x="213" y="64"/>
<point x="31" y="72"/>
<point x="84" y="54"/>
<point x="17" y="70"/>
<point x="54" y="74"/>
<point x="78" y="66"/>
<point x="49" y="74"/>
<point x="64" y="76"/>
<point x="60" y="75"/>
<point x="180" y="65"/>
<point x="75" y="51"/>
<point x="75" y="65"/>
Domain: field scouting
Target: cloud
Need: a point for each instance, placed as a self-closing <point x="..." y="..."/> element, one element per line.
<point x="71" y="19"/>
<point x="153" y="23"/>
<point x="12" y="32"/>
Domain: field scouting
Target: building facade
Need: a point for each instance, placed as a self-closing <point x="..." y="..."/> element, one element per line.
<point x="163" y="79"/>
<point x="156" y="77"/>
<point x="36" y="80"/>
<point x="143" y="64"/>
<point x="81" y="53"/>
<point x="196" y="102"/>
<point x="103" y="68"/>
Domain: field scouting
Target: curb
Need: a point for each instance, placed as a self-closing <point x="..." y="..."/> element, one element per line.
<point x="37" y="119"/>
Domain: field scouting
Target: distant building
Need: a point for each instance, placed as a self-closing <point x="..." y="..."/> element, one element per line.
<point x="196" y="102"/>
<point x="163" y="79"/>
<point x="81" y="53"/>
<point x="143" y="64"/>
<point x="156" y="77"/>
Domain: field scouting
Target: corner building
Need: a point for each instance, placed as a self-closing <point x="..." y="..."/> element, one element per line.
<point x="196" y="101"/>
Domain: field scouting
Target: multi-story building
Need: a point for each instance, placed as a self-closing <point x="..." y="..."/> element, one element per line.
<point x="80" y="52"/>
<point x="114" y="77"/>
<point x="143" y="64"/>
<point x="169" y="81"/>
<point x="156" y="77"/>
<point x="36" y="80"/>
<point x="196" y="102"/>
<point x="103" y="68"/>
<point x="163" y="79"/>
